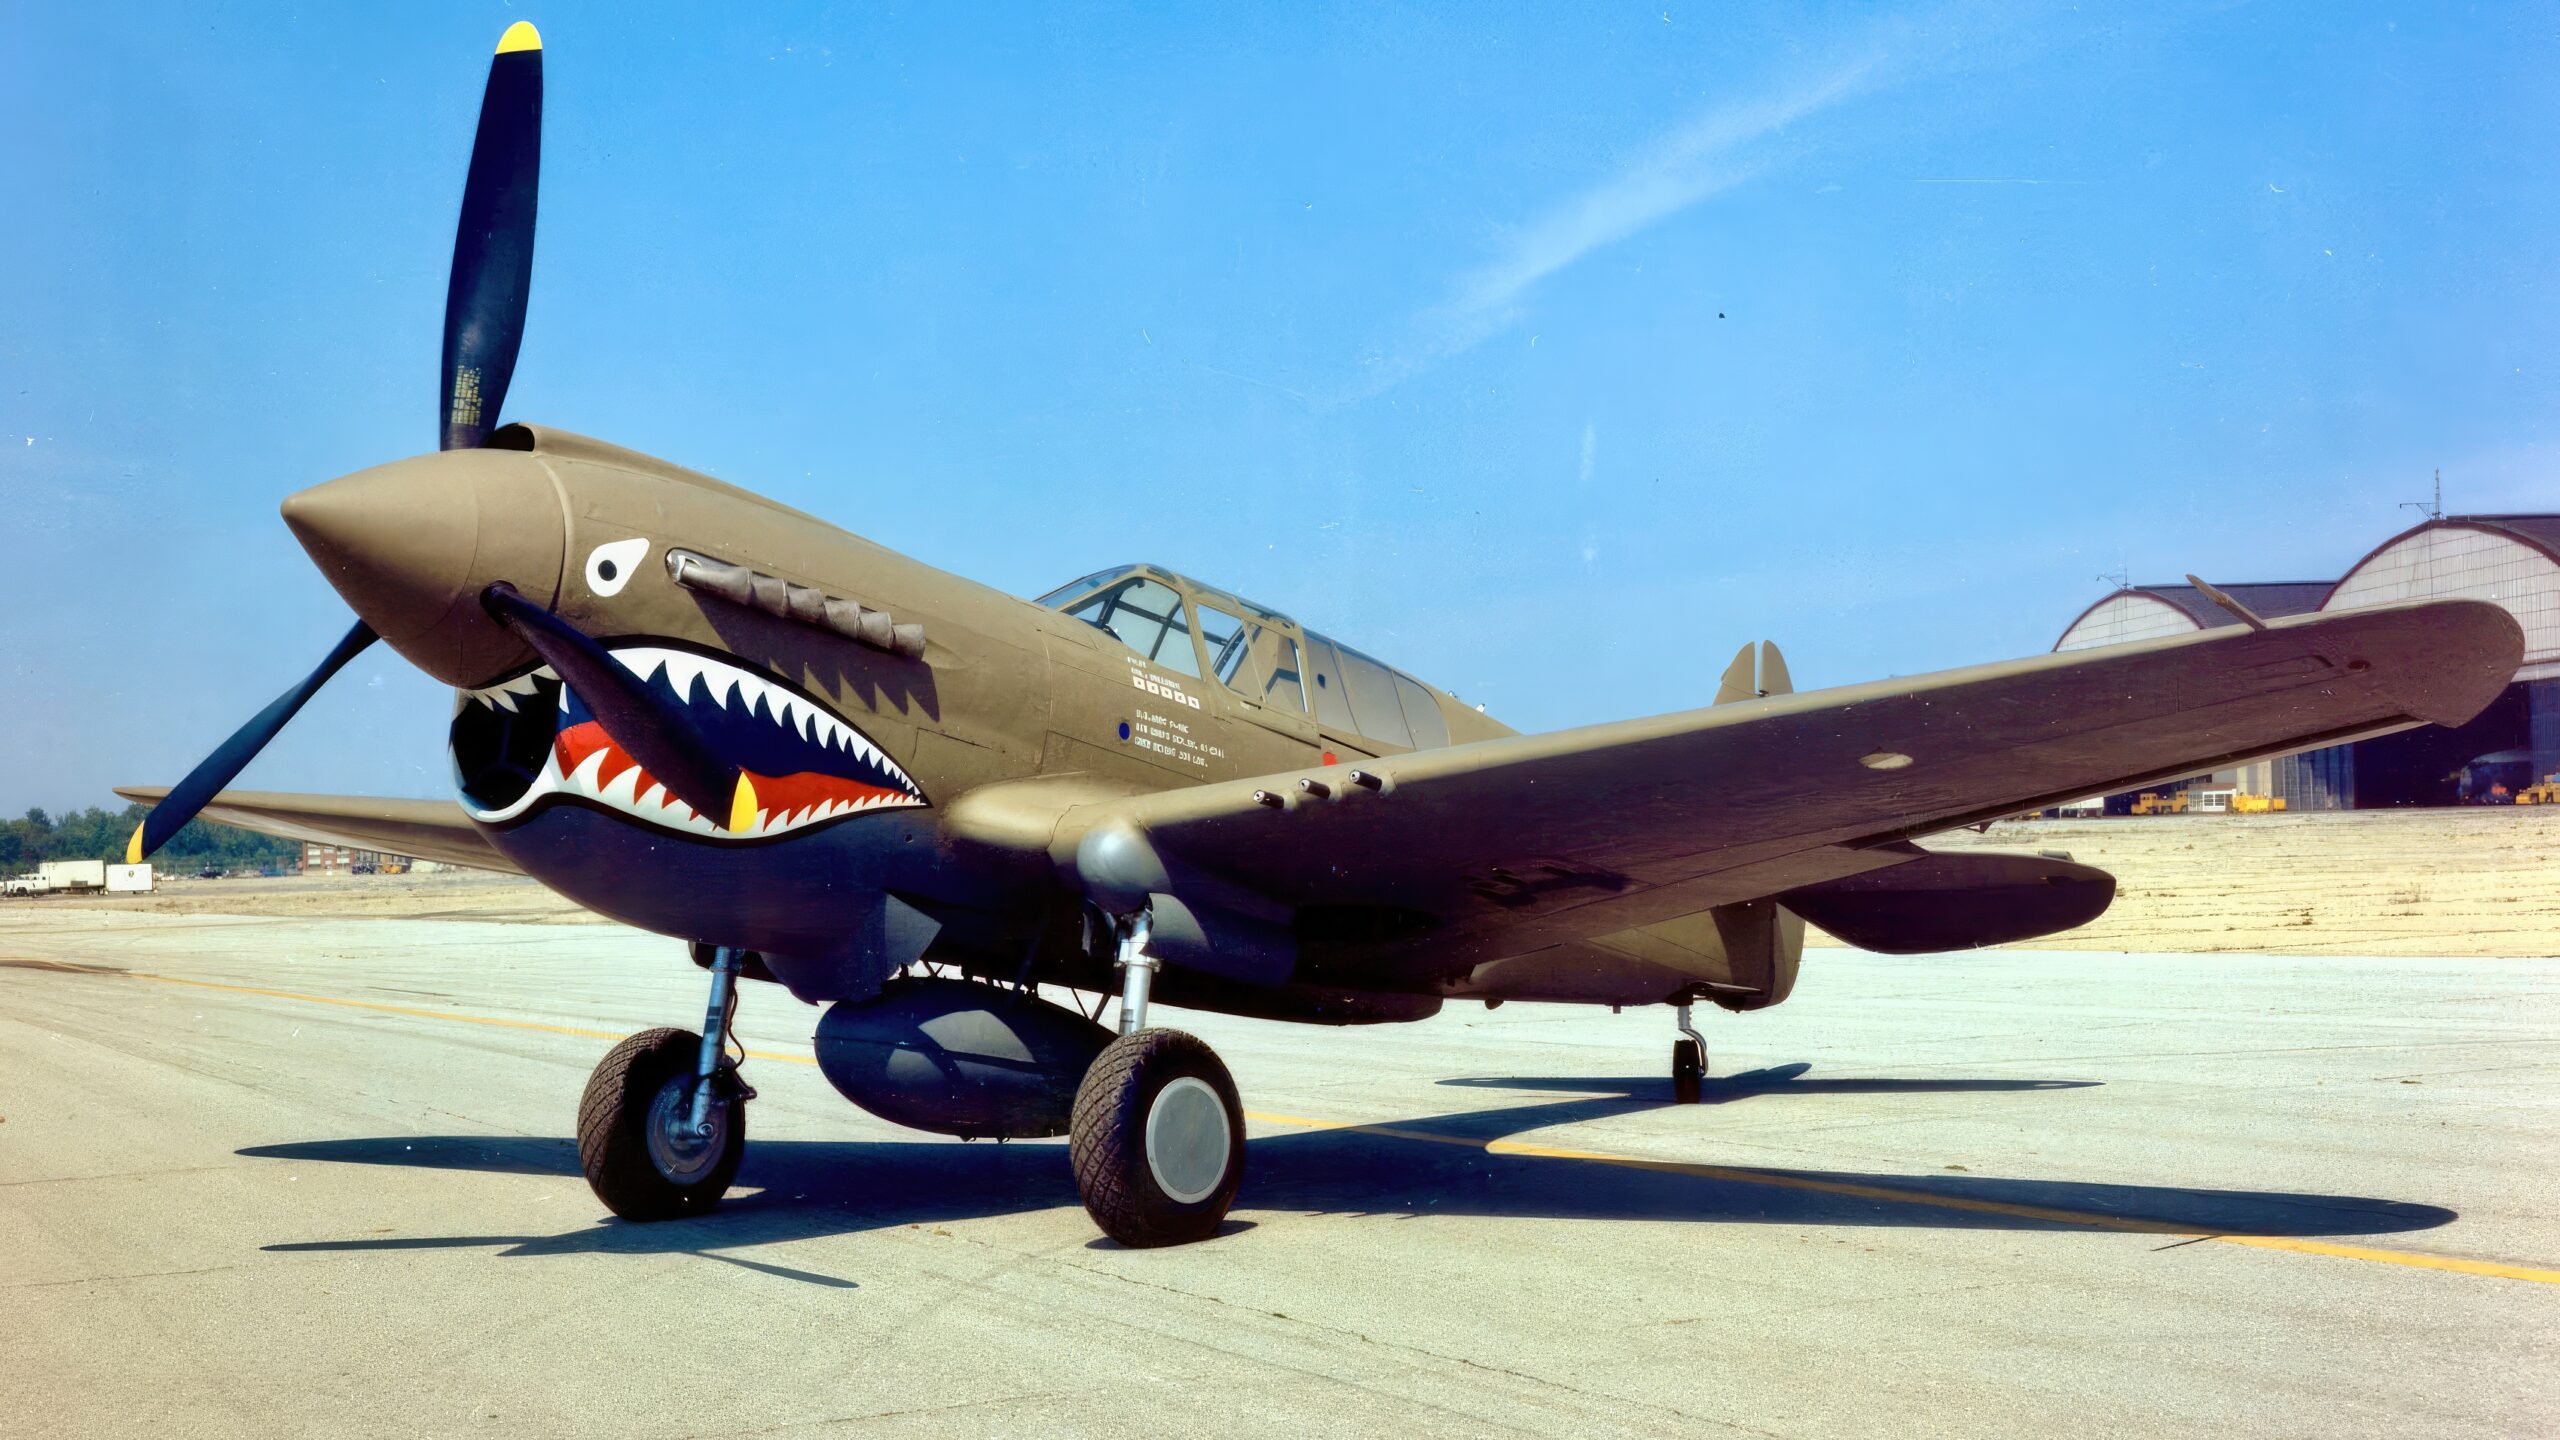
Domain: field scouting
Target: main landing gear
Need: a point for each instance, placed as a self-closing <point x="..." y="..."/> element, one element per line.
<point x="664" y="1120"/>
<point x="1158" y="1135"/>
<point x="1688" y="1061"/>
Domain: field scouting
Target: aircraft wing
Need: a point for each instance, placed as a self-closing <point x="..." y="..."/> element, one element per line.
<point x="1507" y="846"/>
<point x="423" y="829"/>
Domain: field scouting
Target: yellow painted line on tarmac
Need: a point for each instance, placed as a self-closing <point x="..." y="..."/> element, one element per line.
<point x="2413" y="1259"/>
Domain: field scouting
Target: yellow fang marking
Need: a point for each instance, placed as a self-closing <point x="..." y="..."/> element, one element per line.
<point x="133" y="847"/>
<point x="520" y="36"/>
<point x="742" y="806"/>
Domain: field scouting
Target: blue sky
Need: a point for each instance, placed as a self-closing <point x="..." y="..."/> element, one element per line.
<point x="1550" y="352"/>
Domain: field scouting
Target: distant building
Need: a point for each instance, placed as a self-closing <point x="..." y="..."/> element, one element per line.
<point x="319" y="858"/>
<point x="2508" y="560"/>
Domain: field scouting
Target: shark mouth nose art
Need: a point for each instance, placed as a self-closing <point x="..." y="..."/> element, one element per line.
<point x="528" y="741"/>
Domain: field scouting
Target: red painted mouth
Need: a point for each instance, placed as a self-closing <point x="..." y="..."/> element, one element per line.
<point x="781" y="800"/>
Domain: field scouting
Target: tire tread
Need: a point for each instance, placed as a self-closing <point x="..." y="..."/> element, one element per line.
<point x="1107" y="1138"/>
<point x="611" y="1148"/>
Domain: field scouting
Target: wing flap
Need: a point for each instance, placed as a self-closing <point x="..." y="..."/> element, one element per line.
<point x="424" y="829"/>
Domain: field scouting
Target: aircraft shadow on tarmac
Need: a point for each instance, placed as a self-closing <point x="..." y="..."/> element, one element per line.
<point x="1775" y="1080"/>
<point x="1435" y="1165"/>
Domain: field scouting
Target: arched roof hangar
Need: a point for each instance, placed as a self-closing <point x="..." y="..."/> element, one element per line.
<point x="2148" y="612"/>
<point x="2510" y="560"/>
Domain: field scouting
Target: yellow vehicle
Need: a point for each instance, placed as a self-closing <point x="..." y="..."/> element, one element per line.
<point x="2546" y="793"/>
<point x="2153" y="802"/>
<point x="2256" y="804"/>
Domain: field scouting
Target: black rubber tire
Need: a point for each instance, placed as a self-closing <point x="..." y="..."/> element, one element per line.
<point x="1107" y="1141"/>
<point x="1687" y="1070"/>
<point x="613" y="1129"/>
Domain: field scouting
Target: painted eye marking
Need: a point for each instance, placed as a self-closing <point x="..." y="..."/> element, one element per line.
<point x="611" y="565"/>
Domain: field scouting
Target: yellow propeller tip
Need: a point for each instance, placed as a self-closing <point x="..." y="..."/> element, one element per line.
<point x="520" y="36"/>
<point x="133" y="847"/>
<point x="742" y="807"/>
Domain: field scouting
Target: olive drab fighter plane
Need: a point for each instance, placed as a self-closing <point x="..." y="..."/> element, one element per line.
<point x="916" y="801"/>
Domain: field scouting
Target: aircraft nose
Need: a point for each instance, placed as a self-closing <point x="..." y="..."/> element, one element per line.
<point x="411" y="545"/>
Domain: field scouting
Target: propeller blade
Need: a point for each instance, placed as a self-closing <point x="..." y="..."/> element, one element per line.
<point x="648" y="728"/>
<point x="219" y="768"/>
<point x="484" y="301"/>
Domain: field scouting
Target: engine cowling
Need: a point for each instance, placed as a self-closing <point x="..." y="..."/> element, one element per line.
<point x="958" y="1057"/>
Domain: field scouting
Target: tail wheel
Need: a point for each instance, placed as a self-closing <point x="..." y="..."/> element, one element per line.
<point x="1158" y="1139"/>
<point x="1687" y="1069"/>
<point x="635" y="1135"/>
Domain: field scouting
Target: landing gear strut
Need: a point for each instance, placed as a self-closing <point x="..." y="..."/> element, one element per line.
<point x="663" y="1124"/>
<point x="1158" y="1135"/>
<point x="1688" y="1061"/>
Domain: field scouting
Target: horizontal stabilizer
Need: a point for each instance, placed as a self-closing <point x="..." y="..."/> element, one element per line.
<point x="1955" y="902"/>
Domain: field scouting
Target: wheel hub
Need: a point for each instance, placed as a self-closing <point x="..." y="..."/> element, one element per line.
<point x="681" y="1153"/>
<point x="1188" y="1140"/>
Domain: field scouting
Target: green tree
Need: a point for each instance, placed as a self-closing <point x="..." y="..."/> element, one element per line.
<point x="99" y="834"/>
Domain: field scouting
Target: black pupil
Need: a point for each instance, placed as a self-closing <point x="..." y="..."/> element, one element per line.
<point x="604" y="569"/>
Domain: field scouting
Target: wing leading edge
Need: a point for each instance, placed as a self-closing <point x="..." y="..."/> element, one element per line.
<point x="424" y="829"/>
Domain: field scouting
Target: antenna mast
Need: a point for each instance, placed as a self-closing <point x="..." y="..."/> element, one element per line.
<point x="2432" y="509"/>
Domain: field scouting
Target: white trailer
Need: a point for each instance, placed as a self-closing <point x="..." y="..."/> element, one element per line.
<point x="129" y="879"/>
<point x="75" y="875"/>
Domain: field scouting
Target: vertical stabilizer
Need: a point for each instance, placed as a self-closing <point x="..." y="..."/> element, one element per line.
<point x="1774" y="679"/>
<point x="1738" y="682"/>
<point x="1756" y="670"/>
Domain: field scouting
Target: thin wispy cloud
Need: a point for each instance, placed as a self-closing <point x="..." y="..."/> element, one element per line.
<point x="1709" y="154"/>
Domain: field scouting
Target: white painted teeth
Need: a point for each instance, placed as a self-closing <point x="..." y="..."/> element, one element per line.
<point x="682" y="671"/>
<point x="583" y="779"/>
<point x="692" y="677"/>
<point x="502" y="696"/>
<point x="618" y="792"/>
<point x="621" y="793"/>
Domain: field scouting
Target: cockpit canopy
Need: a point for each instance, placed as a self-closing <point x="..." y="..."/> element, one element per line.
<point x="1200" y="631"/>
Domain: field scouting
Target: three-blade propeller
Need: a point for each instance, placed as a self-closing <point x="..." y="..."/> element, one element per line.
<point x="484" y="311"/>
<point x="483" y="326"/>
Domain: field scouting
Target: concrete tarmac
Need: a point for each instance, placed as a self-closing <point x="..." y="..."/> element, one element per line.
<point x="316" y="1177"/>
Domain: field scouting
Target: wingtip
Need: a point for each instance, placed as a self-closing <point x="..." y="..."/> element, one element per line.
<point x="520" y="36"/>
<point x="2442" y="661"/>
<point x="133" y="847"/>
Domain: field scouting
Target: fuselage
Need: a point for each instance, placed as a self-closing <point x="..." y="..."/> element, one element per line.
<point x="894" y="782"/>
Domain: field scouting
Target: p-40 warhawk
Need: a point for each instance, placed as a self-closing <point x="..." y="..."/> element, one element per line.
<point x="915" y="800"/>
